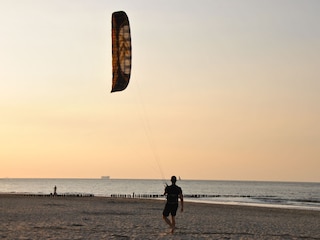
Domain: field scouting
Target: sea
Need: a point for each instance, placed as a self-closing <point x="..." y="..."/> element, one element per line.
<point x="297" y="195"/>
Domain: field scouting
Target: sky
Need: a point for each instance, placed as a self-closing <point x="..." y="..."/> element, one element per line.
<point x="219" y="90"/>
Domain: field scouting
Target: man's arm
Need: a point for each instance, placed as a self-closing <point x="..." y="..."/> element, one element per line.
<point x="165" y="191"/>
<point x="181" y="200"/>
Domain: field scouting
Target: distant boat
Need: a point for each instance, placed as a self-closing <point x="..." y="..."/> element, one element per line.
<point x="105" y="177"/>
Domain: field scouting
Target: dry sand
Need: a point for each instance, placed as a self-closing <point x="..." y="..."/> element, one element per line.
<point x="25" y="217"/>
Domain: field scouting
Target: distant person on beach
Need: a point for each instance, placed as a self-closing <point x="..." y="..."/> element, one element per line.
<point x="55" y="191"/>
<point x="173" y="193"/>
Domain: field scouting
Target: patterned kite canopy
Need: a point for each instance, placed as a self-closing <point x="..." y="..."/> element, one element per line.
<point x="121" y="51"/>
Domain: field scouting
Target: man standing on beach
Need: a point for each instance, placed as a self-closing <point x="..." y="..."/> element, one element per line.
<point x="173" y="193"/>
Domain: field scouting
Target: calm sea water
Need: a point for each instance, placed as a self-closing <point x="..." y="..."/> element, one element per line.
<point x="274" y="194"/>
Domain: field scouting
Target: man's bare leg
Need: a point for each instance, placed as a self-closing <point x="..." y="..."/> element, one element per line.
<point x="173" y="223"/>
<point x="167" y="221"/>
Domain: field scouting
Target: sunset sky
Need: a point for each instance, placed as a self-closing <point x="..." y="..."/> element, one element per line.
<point x="220" y="89"/>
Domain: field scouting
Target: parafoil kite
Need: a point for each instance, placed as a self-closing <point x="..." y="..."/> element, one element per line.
<point x="121" y="51"/>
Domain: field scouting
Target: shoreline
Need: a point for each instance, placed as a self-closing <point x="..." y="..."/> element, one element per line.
<point x="189" y="200"/>
<point x="39" y="217"/>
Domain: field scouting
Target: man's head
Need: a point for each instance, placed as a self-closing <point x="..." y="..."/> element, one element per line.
<point x="173" y="179"/>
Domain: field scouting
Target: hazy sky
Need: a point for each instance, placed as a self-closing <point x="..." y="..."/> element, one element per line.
<point x="226" y="90"/>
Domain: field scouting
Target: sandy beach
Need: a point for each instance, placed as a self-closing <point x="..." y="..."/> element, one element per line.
<point x="27" y="217"/>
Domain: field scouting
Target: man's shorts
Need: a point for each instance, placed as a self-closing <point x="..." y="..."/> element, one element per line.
<point x="170" y="208"/>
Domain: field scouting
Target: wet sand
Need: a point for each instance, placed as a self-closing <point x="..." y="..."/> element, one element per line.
<point x="35" y="217"/>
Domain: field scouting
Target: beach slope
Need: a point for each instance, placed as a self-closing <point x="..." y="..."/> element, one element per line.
<point x="27" y="217"/>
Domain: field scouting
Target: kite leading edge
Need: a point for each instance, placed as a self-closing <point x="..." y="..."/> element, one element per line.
<point x="121" y="51"/>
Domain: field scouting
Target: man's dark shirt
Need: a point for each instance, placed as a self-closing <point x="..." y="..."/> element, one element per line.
<point x="173" y="192"/>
